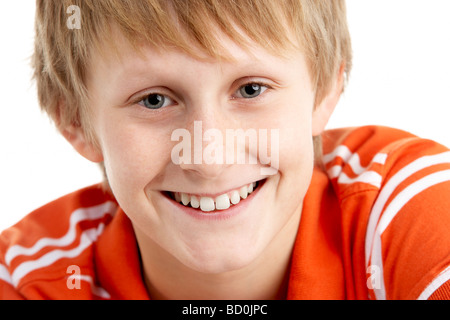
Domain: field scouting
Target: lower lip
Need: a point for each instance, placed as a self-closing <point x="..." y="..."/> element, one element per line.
<point x="229" y="213"/>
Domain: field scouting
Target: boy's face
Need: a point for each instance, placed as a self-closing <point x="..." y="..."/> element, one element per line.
<point x="140" y="101"/>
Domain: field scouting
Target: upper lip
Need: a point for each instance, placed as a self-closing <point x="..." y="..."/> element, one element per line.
<point x="214" y="195"/>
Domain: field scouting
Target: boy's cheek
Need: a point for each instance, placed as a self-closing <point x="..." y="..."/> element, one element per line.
<point x="134" y="160"/>
<point x="296" y="143"/>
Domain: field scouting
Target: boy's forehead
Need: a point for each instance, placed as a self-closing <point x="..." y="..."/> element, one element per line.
<point x="129" y="58"/>
<point x="127" y="55"/>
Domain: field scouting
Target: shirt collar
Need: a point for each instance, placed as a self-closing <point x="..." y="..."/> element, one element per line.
<point x="316" y="265"/>
<point x="117" y="261"/>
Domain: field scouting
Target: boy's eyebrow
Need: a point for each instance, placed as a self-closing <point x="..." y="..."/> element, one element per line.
<point x="129" y="69"/>
<point x="129" y="78"/>
<point x="141" y="68"/>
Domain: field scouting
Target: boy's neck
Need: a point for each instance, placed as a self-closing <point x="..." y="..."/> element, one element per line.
<point x="236" y="285"/>
<point x="266" y="278"/>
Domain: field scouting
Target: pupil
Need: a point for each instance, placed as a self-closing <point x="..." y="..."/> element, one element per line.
<point x="252" y="89"/>
<point x="154" y="101"/>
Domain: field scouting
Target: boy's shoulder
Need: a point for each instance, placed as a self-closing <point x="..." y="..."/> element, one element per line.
<point x="393" y="189"/>
<point x="372" y="155"/>
<point x="369" y="143"/>
<point x="57" y="217"/>
<point x="53" y="232"/>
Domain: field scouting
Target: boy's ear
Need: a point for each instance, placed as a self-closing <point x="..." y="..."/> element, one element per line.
<point x="324" y="109"/>
<point x="77" y="138"/>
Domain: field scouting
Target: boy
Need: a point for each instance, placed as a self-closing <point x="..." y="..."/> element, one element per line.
<point x="184" y="212"/>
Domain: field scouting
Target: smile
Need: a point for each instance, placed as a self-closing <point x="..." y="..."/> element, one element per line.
<point x="208" y="204"/>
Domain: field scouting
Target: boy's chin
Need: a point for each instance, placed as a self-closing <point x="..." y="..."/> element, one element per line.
<point x="209" y="255"/>
<point x="221" y="262"/>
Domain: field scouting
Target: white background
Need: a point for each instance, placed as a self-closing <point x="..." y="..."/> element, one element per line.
<point x="400" y="79"/>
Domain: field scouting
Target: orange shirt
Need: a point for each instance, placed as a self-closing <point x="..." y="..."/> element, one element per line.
<point x="374" y="226"/>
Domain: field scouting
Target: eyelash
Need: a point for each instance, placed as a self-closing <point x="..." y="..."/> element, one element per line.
<point x="140" y="100"/>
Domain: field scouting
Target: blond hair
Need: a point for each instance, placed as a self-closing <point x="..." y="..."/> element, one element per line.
<point x="62" y="54"/>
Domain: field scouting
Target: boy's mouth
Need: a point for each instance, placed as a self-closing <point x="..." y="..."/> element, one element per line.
<point x="208" y="204"/>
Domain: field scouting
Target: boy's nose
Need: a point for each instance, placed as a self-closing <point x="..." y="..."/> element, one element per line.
<point x="208" y="148"/>
<point x="206" y="171"/>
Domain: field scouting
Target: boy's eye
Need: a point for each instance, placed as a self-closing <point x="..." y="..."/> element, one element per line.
<point x="156" y="101"/>
<point x="251" y="90"/>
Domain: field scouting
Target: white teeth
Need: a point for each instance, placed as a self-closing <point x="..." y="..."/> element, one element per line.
<point x="243" y="192"/>
<point x="235" y="197"/>
<point x="207" y="204"/>
<point x="185" y="199"/>
<point x="221" y="202"/>
<point x="195" y="203"/>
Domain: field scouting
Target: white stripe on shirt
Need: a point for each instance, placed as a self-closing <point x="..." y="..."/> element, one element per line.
<point x="353" y="160"/>
<point x="391" y="186"/>
<point x="86" y="239"/>
<point x="4" y="274"/>
<point x="391" y="211"/>
<point x="437" y="282"/>
<point x="82" y="214"/>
